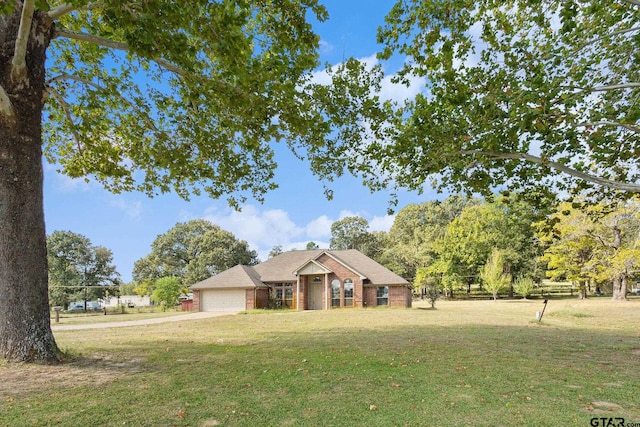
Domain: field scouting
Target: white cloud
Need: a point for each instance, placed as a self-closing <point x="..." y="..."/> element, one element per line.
<point x="260" y="228"/>
<point x="132" y="209"/>
<point x="390" y="91"/>
<point x="345" y="213"/>
<point x="381" y="223"/>
<point x="65" y="184"/>
<point x="325" y="47"/>
<point x="319" y="227"/>
<point x="264" y="229"/>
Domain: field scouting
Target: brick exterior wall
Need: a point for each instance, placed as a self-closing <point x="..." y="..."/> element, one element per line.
<point x="341" y="272"/>
<point x="370" y="298"/>
<point x="262" y="298"/>
<point x="257" y="298"/>
<point x="249" y="300"/>
<point x="196" y="299"/>
<point x="399" y="296"/>
<point x="302" y="303"/>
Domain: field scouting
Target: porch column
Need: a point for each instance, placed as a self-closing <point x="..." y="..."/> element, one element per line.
<point x="298" y="292"/>
<point x="326" y="291"/>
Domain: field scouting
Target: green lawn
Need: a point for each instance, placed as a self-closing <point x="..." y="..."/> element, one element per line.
<point x="477" y="363"/>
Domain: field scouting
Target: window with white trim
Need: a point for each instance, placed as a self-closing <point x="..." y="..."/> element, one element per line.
<point x="348" y="293"/>
<point x="382" y="295"/>
<point x="335" y="293"/>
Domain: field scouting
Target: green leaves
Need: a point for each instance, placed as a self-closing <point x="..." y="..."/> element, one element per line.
<point x="74" y="263"/>
<point x="592" y="243"/>
<point x="185" y="97"/>
<point x="493" y="273"/>
<point x="193" y="251"/>
<point x="508" y="78"/>
<point x="167" y="291"/>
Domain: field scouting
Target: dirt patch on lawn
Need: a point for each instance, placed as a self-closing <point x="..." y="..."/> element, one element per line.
<point x="17" y="379"/>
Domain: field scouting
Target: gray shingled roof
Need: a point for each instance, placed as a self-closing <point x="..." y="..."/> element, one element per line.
<point x="240" y="276"/>
<point x="376" y="273"/>
<point x="281" y="268"/>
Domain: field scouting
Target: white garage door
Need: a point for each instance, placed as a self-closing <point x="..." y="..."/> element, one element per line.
<point x="223" y="300"/>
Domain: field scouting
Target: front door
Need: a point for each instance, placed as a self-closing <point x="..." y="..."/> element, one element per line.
<point x="315" y="296"/>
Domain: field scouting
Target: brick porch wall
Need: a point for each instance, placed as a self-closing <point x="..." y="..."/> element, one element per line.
<point x="302" y="303"/>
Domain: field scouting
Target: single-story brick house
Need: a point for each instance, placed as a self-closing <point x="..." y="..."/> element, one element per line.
<point x="304" y="280"/>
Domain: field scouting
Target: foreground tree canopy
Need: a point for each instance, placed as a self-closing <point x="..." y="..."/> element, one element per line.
<point x="519" y="94"/>
<point x="161" y="96"/>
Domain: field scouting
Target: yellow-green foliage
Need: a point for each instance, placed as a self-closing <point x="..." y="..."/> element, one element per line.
<point x="493" y="274"/>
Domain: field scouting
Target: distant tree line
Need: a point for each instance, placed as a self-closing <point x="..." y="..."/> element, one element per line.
<point x="503" y="244"/>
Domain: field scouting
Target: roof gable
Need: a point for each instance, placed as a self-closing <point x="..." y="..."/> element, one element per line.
<point x="312" y="267"/>
<point x="367" y="267"/>
<point x="282" y="268"/>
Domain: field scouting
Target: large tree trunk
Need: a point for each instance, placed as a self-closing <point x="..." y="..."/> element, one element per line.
<point x="620" y="284"/>
<point x="620" y="281"/>
<point x="582" y="289"/>
<point x="25" y="330"/>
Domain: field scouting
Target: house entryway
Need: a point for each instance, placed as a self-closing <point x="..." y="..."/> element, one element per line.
<point x="315" y="296"/>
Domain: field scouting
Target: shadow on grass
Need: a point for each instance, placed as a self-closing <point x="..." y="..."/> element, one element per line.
<point x="385" y="367"/>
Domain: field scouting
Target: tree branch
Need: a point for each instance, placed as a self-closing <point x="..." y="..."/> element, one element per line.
<point x="18" y="63"/>
<point x="607" y="36"/>
<point x="101" y="41"/>
<point x="96" y="86"/>
<point x="67" y="112"/>
<point x="633" y="2"/>
<point x="6" y="106"/>
<point x="623" y="186"/>
<point x="64" y="9"/>
<point x="632" y="128"/>
<point x="612" y="87"/>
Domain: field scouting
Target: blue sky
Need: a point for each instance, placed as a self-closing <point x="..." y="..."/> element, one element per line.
<point x="291" y="216"/>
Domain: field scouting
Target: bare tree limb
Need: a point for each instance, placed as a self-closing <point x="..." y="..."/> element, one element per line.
<point x="101" y="41"/>
<point x="607" y="36"/>
<point x="609" y="183"/>
<point x="612" y="87"/>
<point x="18" y="63"/>
<point x="6" y="106"/>
<point x="632" y="128"/>
<point x="64" y="9"/>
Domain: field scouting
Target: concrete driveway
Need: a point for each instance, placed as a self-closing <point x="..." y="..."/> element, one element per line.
<point x="190" y="316"/>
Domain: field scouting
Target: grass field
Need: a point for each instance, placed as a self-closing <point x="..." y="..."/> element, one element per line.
<point x="476" y="363"/>
<point x="113" y="316"/>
